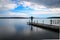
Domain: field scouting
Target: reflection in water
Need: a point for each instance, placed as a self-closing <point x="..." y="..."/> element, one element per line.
<point x="31" y="27"/>
<point x="19" y="28"/>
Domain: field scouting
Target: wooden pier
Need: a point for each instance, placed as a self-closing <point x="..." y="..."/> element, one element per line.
<point x="45" y="26"/>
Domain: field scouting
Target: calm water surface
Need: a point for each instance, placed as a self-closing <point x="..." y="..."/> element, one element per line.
<point x="19" y="28"/>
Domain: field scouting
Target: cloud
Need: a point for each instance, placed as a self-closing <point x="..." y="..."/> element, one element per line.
<point x="10" y="6"/>
<point x="55" y="15"/>
<point x="46" y="11"/>
<point x="7" y="5"/>
<point x="25" y="3"/>
<point x="38" y="7"/>
<point x="47" y="3"/>
<point x="56" y="10"/>
<point x="13" y="14"/>
<point x="31" y="5"/>
<point x="17" y="14"/>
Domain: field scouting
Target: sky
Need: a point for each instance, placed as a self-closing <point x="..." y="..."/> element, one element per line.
<point x="27" y="8"/>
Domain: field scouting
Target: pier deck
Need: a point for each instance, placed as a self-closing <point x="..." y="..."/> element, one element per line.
<point x="45" y="26"/>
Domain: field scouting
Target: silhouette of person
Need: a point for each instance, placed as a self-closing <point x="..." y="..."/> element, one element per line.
<point x="31" y="18"/>
<point x="31" y="22"/>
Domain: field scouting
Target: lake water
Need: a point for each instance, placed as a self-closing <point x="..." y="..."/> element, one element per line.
<point x="18" y="28"/>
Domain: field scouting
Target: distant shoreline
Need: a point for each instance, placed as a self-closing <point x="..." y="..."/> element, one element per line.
<point x="14" y="18"/>
<point x="28" y="18"/>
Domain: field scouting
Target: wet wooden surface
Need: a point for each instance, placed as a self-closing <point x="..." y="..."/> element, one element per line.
<point x="45" y="26"/>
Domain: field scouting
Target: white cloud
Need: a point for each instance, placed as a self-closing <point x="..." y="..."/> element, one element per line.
<point x="13" y="14"/>
<point x="56" y="15"/>
<point x="24" y="3"/>
<point x="10" y="6"/>
<point x="7" y="5"/>
<point x="47" y="11"/>
<point x="17" y="14"/>
<point x="31" y="5"/>
<point x="55" y="10"/>
<point x="38" y="9"/>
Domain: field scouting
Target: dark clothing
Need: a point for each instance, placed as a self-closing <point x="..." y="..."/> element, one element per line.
<point x="31" y="19"/>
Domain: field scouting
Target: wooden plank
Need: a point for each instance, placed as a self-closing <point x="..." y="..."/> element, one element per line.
<point x="45" y="26"/>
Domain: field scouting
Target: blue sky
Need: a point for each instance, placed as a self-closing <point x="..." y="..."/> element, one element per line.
<point x="25" y="8"/>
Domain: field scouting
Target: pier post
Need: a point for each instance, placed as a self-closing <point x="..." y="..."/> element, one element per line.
<point x="37" y="21"/>
<point x="43" y="21"/>
<point x="34" y="21"/>
<point x="29" y="20"/>
<point x="51" y="21"/>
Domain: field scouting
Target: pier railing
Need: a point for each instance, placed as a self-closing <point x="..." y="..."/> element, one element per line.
<point x="47" y="21"/>
<point x="50" y="24"/>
